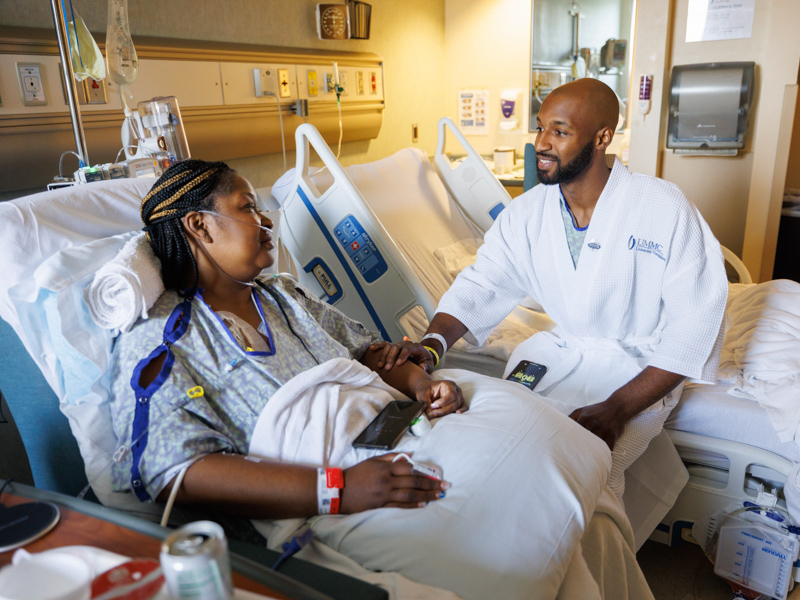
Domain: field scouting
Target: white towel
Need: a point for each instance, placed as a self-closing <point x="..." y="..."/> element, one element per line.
<point x="125" y="288"/>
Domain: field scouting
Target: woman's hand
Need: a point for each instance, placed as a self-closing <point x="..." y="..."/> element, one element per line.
<point x="393" y="354"/>
<point x="378" y="482"/>
<point x="441" y="397"/>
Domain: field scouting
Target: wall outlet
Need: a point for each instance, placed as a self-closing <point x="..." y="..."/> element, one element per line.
<point x="265" y="80"/>
<point x="31" y="84"/>
<point x="330" y="84"/>
<point x="312" y="83"/>
<point x="360" y="83"/>
<point x="94" y="92"/>
<point x="283" y="83"/>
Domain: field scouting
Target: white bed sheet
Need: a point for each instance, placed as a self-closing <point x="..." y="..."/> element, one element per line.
<point x="711" y="411"/>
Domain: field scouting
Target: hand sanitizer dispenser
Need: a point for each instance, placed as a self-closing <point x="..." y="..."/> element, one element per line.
<point x="510" y="105"/>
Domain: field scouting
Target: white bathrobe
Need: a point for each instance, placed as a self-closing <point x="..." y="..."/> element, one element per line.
<point x="649" y="289"/>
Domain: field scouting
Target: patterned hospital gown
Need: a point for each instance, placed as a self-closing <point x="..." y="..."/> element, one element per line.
<point x="236" y="384"/>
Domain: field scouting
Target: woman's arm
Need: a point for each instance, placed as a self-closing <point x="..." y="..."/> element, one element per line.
<point x="270" y="490"/>
<point x="442" y="397"/>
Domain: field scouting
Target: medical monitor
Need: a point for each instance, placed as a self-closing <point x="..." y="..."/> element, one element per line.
<point x="709" y="105"/>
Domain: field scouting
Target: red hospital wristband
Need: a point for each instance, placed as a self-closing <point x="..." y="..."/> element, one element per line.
<point x="329" y="482"/>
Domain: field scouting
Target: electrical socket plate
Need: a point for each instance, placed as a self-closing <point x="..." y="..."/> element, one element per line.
<point x="283" y="83"/>
<point x="265" y="81"/>
<point x="31" y="84"/>
<point x="94" y="91"/>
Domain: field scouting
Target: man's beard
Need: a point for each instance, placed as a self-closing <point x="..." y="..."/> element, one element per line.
<point x="571" y="170"/>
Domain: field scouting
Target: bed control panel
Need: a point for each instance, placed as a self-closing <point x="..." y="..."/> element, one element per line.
<point x="358" y="246"/>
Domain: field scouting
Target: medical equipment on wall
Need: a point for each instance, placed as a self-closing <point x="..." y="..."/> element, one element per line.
<point x="543" y="81"/>
<point x="709" y="106"/>
<point x="342" y="251"/>
<point x="645" y="90"/>
<point x="478" y="192"/>
<point x="612" y="55"/>
<point x="158" y="127"/>
<point x="753" y="545"/>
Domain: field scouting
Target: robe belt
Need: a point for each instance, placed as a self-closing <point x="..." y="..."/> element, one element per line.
<point x="573" y="347"/>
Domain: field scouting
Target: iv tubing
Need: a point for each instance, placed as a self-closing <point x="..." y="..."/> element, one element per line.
<point x="75" y="26"/>
<point x="172" y="495"/>
<point x="280" y="118"/>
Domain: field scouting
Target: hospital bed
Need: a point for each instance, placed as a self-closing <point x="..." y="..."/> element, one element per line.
<point x="428" y="220"/>
<point x="52" y="245"/>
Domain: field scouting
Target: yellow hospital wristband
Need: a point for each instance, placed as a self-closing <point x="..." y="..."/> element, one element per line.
<point x="435" y="355"/>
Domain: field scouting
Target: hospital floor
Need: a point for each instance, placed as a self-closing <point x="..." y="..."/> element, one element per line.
<point x="680" y="572"/>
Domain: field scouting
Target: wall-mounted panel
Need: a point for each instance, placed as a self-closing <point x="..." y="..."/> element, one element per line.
<point x="193" y="83"/>
<point x="215" y="86"/>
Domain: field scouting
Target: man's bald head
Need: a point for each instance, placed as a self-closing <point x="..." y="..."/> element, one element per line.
<point x="590" y="101"/>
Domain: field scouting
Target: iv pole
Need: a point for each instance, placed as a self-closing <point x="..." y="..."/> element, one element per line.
<point x="69" y="80"/>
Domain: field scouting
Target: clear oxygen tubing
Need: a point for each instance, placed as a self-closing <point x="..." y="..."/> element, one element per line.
<point x="208" y="255"/>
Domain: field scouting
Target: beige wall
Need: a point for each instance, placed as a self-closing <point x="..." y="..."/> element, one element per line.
<point x="488" y="47"/>
<point x="409" y="35"/>
<point x="737" y="196"/>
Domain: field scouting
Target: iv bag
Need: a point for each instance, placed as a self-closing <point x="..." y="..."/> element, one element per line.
<point x="123" y="64"/>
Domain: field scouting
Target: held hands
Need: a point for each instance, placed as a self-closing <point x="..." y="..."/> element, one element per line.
<point x="441" y="397"/>
<point x="378" y="482"/>
<point x="606" y="420"/>
<point x="396" y="354"/>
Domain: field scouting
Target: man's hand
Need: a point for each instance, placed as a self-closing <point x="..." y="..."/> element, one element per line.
<point x="605" y="419"/>
<point x="441" y="397"/>
<point x="396" y="354"/>
<point x="379" y="482"/>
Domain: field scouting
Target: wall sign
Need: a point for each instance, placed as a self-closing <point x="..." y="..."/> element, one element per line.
<point x="710" y="20"/>
<point x="473" y="112"/>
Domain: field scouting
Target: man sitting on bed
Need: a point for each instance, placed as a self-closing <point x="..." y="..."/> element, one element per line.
<point x="624" y="264"/>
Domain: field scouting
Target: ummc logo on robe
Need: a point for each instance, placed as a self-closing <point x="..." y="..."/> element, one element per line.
<point x="642" y="245"/>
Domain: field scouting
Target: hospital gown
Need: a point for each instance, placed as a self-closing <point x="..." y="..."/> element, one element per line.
<point x="236" y="384"/>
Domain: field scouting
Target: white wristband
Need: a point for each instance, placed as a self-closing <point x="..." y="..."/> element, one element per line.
<point x="438" y="338"/>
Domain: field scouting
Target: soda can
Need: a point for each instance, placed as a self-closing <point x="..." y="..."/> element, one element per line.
<point x="196" y="564"/>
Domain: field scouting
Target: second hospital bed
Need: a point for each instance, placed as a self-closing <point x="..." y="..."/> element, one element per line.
<point x="728" y="444"/>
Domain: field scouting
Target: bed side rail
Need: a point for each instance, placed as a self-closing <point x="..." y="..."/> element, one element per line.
<point x="341" y="250"/>
<point x="470" y="183"/>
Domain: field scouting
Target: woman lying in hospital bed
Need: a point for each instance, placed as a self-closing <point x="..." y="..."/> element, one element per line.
<point x="250" y="385"/>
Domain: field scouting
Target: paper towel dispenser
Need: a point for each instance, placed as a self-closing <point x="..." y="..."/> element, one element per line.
<point x="709" y="105"/>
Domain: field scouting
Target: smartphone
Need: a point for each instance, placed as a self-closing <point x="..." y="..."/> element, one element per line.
<point x="527" y="373"/>
<point x="392" y="422"/>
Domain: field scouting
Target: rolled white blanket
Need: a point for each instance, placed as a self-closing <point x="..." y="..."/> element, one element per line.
<point x="125" y="288"/>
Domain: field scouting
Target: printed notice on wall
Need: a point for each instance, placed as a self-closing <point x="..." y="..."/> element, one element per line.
<point x="710" y="20"/>
<point x="473" y="112"/>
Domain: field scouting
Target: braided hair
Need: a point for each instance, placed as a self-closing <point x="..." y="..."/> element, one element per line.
<point x="190" y="185"/>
